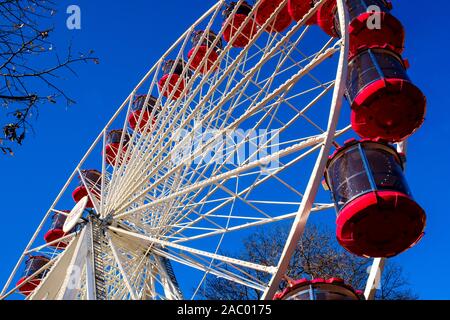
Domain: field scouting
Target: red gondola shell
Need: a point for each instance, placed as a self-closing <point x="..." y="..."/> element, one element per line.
<point x="280" y="22"/>
<point x="233" y="23"/>
<point x="200" y="56"/>
<point x="138" y="109"/>
<point x="113" y="146"/>
<point x="33" y="264"/>
<point x="93" y="179"/>
<point x="244" y="36"/>
<point x="326" y="18"/>
<point x="299" y="8"/>
<point x="175" y="86"/>
<point x="319" y="289"/>
<point x="391" y="35"/>
<point x="385" y="103"/>
<point x="56" y="231"/>
<point x="368" y="29"/>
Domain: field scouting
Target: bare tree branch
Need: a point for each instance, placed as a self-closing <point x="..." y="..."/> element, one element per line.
<point x="25" y="49"/>
<point x="317" y="256"/>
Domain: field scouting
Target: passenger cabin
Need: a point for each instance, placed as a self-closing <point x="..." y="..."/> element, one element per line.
<point x="299" y="8"/>
<point x="377" y="216"/>
<point x="242" y="18"/>
<point x="281" y="18"/>
<point x="144" y="111"/>
<point x="93" y="179"/>
<point x="173" y="82"/>
<point x="319" y="289"/>
<point x="385" y="103"/>
<point x="113" y="145"/>
<point x="371" y="25"/>
<point x="206" y="47"/>
<point x="56" y="230"/>
<point x="32" y="265"/>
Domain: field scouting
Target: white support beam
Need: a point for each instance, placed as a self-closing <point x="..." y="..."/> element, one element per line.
<point x="163" y="243"/>
<point x="91" y="292"/>
<point x="72" y="280"/>
<point x="170" y="290"/>
<point x="373" y="282"/>
<point x="304" y="211"/>
<point x="125" y="277"/>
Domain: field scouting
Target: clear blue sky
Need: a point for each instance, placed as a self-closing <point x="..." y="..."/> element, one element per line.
<point x="129" y="37"/>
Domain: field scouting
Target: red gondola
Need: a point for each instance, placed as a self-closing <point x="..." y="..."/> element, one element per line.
<point x="281" y="21"/>
<point x="326" y="18"/>
<point x="113" y="139"/>
<point x="385" y="103"/>
<point x="363" y="31"/>
<point x="173" y="79"/>
<point x="202" y="43"/>
<point x="32" y="265"/>
<point x="149" y="112"/>
<point x="93" y="179"/>
<point x="237" y="20"/>
<point x="377" y="216"/>
<point x="56" y="231"/>
<point x="319" y="289"/>
<point x="299" y="8"/>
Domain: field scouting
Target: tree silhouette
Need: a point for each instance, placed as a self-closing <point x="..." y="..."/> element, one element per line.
<point x="317" y="256"/>
<point x="25" y="70"/>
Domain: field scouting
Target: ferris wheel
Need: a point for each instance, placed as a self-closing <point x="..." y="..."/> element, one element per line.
<point x="229" y="131"/>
